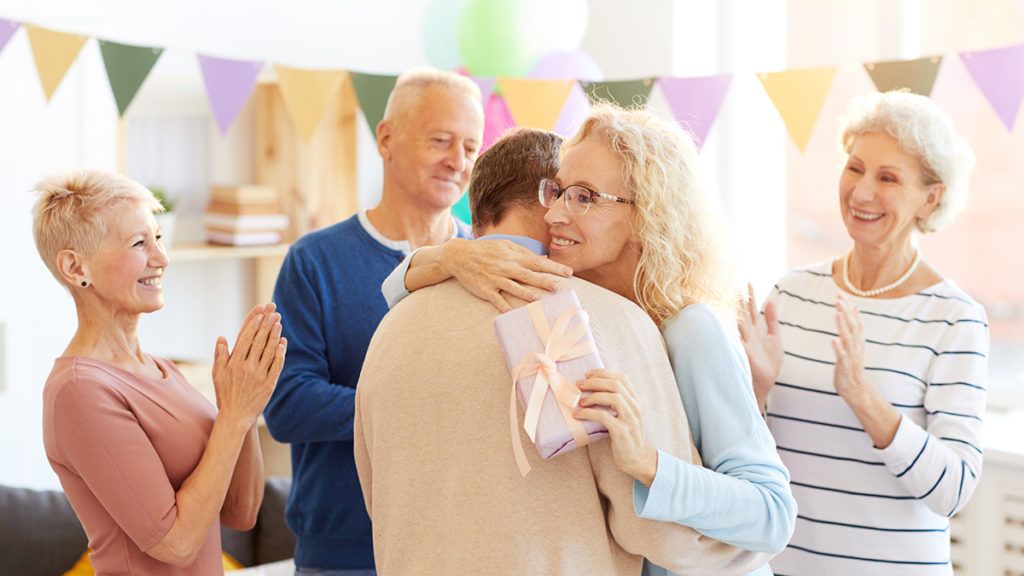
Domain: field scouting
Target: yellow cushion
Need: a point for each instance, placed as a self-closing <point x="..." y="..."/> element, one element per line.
<point x="229" y="562"/>
<point x="84" y="567"/>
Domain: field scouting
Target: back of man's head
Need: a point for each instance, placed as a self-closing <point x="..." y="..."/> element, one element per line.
<point x="410" y="86"/>
<point x="508" y="173"/>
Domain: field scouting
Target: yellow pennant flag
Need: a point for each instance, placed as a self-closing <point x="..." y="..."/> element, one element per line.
<point x="798" y="95"/>
<point x="307" y="94"/>
<point x="535" y="103"/>
<point x="54" y="52"/>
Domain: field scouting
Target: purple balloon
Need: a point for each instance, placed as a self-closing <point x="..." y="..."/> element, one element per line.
<point x="567" y="65"/>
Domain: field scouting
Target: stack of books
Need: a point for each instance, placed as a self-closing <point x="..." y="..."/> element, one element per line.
<point x="244" y="216"/>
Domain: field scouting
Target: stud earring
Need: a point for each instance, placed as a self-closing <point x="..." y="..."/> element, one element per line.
<point x="84" y="283"/>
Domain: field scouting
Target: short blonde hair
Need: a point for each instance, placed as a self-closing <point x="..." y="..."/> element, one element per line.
<point x="69" y="214"/>
<point x="410" y="87"/>
<point x="924" y="131"/>
<point x="684" y="256"/>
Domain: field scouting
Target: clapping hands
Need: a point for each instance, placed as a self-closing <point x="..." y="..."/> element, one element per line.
<point x="762" y="343"/>
<point x="245" y="377"/>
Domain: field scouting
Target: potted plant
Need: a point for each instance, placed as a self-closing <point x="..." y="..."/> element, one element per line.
<point x="166" y="219"/>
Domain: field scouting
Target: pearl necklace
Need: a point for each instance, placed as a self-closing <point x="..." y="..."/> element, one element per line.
<point x="869" y="293"/>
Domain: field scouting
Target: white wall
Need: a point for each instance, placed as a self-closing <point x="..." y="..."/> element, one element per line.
<point x="36" y="138"/>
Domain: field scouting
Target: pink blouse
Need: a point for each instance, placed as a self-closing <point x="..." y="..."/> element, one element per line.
<point x="122" y="444"/>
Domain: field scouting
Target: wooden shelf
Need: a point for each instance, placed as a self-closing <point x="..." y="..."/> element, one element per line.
<point x="196" y="252"/>
<point x="266" y="260"/>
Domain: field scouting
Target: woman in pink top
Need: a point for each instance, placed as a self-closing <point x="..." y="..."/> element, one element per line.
<point x="150" y="467"/>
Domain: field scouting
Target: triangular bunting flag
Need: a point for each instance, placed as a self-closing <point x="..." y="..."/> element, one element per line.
<point x="917" y="75"/>
<point x="625" y="93"/>
<point x="576" y="108"/>
<point x="999" y="74"/>
<point x="695" y="102"/>
<point x="486" y="85"/>
<point x="228" y="85"/>
<point x="497" y="119"/>
<point x="307" y="94"/>
<point x="7" y="29"/>
<point x="372" y="91"/>
<point x="127" y="67"/>
<point x="54" y="53"/>
<point x="798" y="95"/>
<point x="535" y="103"/>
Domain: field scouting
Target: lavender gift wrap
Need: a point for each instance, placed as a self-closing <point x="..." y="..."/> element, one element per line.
<point x="551" y="334"/>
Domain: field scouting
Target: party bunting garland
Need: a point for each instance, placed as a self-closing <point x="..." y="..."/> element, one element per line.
<point x="54" y="53"/>
<point x="127" y="67"/>
<point x="307" y="94"/>
<point x="7" y="29"/>
<point x="798" y="95"/>
<point x="695" y="101"/>
<point x="560" y="105"/>
<point x="228" y="85"/>
<point x="535" y="103"/>
<point x="916" y="75"/>
<point x="372" y="92"/>
<point x="999" y="74"/>
<point x="625" y="93"/>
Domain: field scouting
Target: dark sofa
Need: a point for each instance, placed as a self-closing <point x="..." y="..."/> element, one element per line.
<point x="40" y="534"/>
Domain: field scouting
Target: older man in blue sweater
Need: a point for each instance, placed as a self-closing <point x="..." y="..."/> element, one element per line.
<point x="328" y="294"/>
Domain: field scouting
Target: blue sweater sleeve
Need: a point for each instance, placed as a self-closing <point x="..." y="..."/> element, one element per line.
<point x="306" y="406"/>
<point x="742" y="496"/>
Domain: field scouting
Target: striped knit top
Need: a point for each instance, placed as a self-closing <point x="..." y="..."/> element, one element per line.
<point x="864" y="510"/>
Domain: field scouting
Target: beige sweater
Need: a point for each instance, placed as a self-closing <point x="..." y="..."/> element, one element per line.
<point x="435" y="460"/>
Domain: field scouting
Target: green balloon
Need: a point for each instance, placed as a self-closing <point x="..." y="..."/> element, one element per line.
<point x="492" y="40"/>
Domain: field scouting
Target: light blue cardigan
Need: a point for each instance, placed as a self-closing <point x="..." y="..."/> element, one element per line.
<point x="741" y="496"/>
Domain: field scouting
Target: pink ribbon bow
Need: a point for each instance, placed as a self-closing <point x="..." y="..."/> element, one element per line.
<point x="560" y="344"/>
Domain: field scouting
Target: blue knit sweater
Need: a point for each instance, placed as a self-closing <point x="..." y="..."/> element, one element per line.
<point x="328" y="294"/>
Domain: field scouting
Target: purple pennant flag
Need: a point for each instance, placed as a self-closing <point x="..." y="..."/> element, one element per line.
<point x="575" y="110"/>
<point x="486" y="85"/>
<point x="7" y="29"/>
<point x="228" y="85"/>
<point x="695" y="102"/>
<point x="999" y="73"/>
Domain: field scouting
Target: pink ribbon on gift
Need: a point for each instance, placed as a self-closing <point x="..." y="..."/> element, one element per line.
<point x="560" y="345"/>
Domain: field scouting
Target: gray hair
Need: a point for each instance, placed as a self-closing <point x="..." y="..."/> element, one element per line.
<point x="411" y="85"/>
<point x="924" y="131"/>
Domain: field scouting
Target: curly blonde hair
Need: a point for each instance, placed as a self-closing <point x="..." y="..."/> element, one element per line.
<point x="922" y="130"/>
<point x="69" y="213"/>
<point x="685" y="256"/>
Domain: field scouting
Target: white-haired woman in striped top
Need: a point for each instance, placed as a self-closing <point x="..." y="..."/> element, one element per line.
<point x="871" y="367"/>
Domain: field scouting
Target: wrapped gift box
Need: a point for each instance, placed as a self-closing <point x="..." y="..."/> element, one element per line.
<point x="555" y="332"/>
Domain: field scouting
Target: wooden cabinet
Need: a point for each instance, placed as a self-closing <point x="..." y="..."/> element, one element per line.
<point x="317" y="180"/>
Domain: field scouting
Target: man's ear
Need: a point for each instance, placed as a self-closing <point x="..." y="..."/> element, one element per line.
<point x="71" y="267"/>
<point x="385" y="134"/>
<point x="934" y="196"/>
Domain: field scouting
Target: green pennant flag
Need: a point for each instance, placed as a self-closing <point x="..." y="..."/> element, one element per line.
<point x="917" y="75"/>
<point x="625" y="93"/>
<point x="372" y="91"/>
<point x="127" y="68"/>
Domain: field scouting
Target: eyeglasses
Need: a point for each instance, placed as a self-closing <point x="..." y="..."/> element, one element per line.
<point x="577" y="198"/>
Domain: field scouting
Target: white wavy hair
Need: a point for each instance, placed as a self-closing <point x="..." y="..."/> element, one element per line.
<point x="924" y="131"/>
